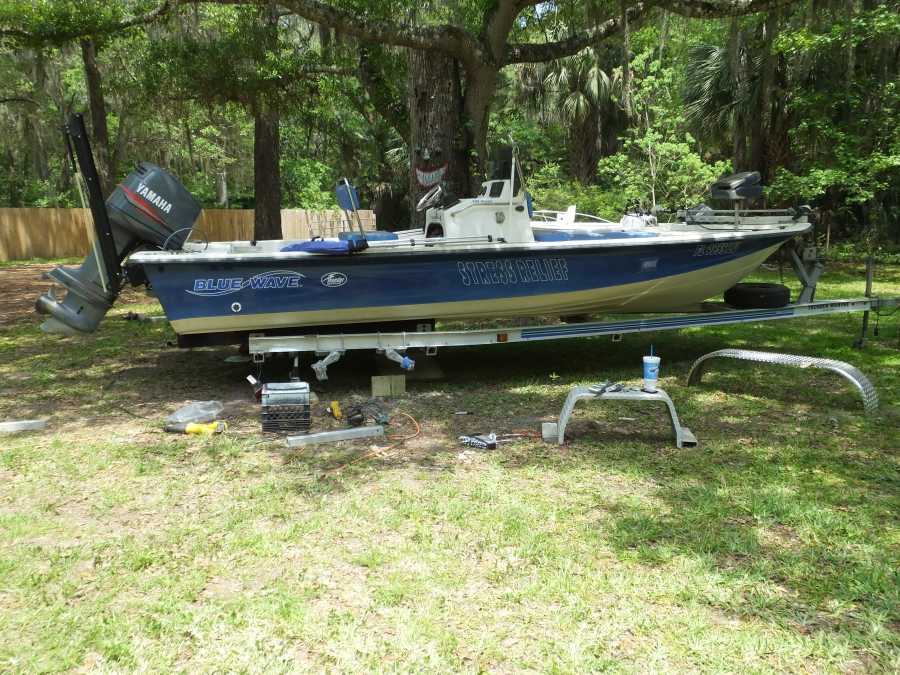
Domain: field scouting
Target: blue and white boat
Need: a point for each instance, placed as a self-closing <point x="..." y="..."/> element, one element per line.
<point x="482" y="257"/>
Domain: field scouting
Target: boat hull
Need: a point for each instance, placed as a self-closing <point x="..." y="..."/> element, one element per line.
<point x="256" y="295"/>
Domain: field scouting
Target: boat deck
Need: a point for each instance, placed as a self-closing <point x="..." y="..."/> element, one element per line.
<point x="707" y="226"/>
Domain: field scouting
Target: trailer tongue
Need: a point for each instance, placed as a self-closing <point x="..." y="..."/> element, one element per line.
<point x="149" y="209"/>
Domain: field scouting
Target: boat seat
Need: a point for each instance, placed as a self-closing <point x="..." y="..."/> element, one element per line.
<point x="744" y="185"/>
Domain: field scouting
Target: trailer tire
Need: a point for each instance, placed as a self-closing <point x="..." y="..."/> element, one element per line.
<point x="758" y="296"/>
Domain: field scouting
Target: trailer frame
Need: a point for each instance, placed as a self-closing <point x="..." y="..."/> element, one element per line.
<point x="332" y="346"/>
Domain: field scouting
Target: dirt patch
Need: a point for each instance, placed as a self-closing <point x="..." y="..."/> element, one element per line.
<point x="21" y="285"/>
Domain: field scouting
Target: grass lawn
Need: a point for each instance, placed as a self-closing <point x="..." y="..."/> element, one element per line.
<point x="774" y="545"/>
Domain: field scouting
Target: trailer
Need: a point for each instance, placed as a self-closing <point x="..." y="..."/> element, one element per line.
<point x="330" y="347"/>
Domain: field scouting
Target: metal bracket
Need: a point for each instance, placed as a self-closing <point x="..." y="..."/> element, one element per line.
<point x="808" y="272"/>
<point x="404" y="361"/>
<point x="320" y="367"/>
<point x="683" y="436"/>
<point x="845" y="370"/>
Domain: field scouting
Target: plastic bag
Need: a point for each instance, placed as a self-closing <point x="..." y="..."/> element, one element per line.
<point x="199" y="412"/>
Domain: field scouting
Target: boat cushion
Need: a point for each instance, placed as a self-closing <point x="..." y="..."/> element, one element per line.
<point x="326" y="246"/>
<point x="568" y="235"/>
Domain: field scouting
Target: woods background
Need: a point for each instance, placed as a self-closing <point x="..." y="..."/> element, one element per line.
<point x="614" y="105"/>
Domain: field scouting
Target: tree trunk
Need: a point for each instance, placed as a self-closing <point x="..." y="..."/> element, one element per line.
<point x="40" y="166"/>
<point x="761" y="123"/>
<point x="739" y="75"/>
<point x="97" y="106"/>
<point x="267" y="151"/>
<point x="438" y="145"/>
<point x="266" y="172"/>
<point x="481" y="84"/>
<point x="584" y="148"/>
<point x="626" y="61"/>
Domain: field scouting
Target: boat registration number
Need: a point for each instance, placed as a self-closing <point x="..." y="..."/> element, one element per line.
<point x="719" y="248"/>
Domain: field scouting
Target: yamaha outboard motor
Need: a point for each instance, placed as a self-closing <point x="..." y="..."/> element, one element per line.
<point x="149" y="208"/>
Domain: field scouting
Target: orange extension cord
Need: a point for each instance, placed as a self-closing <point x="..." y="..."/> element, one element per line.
<point x="380" y="452"/>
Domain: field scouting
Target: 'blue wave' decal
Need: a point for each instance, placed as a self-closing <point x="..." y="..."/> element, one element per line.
<point x="274" y="280"/>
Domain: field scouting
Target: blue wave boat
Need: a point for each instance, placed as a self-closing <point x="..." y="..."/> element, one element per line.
<point x="482" y="257"/>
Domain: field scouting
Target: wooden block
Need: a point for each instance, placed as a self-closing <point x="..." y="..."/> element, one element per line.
<point x="387" y="386"/>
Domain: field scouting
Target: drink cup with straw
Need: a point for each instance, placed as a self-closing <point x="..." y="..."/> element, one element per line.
<point x="651" y="371"/>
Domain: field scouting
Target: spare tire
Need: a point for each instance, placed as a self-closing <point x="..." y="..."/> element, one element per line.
<point x="758" y="296"/>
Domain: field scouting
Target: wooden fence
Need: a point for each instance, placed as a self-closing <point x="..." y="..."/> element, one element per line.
<point x="62" y="233"/>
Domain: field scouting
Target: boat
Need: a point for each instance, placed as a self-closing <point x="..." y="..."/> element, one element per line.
<point x="488" y="256"/>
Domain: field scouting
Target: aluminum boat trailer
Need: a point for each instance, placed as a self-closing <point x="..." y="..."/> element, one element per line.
<point x="331" y="347"/>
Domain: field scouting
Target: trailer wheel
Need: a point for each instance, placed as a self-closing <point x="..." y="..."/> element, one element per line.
<point x="758" y="296"/>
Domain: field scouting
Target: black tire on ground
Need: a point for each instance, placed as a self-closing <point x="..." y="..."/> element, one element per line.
<point x="757" y="296"/>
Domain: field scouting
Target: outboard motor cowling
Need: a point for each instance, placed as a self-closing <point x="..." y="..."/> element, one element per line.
<point x="154" y="207"/>
<point x="149" y="208"/>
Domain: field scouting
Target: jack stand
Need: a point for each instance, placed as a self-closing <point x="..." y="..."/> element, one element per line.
<point x="320" y="367"/>
<point x="556" y="432"/>
<point x="808" y="270"/>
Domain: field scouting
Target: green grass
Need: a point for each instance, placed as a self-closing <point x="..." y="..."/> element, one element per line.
<point x="773" y="546"/>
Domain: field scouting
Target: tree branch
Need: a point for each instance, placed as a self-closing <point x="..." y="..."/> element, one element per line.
<point x="74" y="34"/>
<point x="498" y="22"/>
<point x="445" y="38"/>
<point x="711" y="9"/>
<point x="539" y="52"/>
<point x="18" y="99"/>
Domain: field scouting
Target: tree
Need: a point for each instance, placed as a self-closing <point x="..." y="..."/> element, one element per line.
<point x="484" y="47"/>
<point x="731" y="91"/>
<point x="243" y="55"/>
<point x="46" y="23"/>
<point x="585" y="98"/>
<point x="658" y="166"/>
